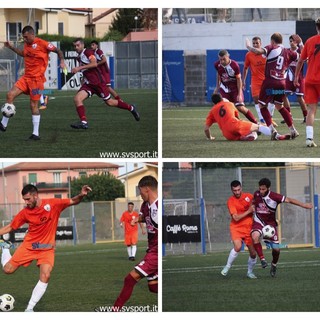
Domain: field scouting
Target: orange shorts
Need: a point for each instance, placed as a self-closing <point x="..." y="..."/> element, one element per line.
<point x="237" y="130"/>
<point x="131" y="238"/>
<point x="31" y="86"/>
<point x="255" y="89"/>
<point x="242" y="233"/>
<point x="312" y="93"/>
<point x="24" y="257"/>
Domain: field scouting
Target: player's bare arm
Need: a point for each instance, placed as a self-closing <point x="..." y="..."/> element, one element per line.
<point x="5" y="229"/>
<point x="297" y="72"/>
<point x="237" y="216"/>
<point x="14" y="49"/>
<point x="245" y="74"/>
<point x="102" y="61"/>
<point x="216" y="90"/>
<point x="208" y="133"/>
<point x="61" y="58"/>
<point x="299" y="203"/>
<point x="252" y="49"/>
<point x="84" y="191"/>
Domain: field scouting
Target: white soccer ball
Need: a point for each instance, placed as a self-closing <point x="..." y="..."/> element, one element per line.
<point x="268" y="231"/>
<point x="8" y="110"/>
<point x="6" y="302"/>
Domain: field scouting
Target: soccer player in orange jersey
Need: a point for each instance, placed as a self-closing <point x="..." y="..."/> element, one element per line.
<point x="227" y="116"/>
<point x="240" y="209"/>
<point x="36" y="56"/>
<point x="42" y="215"/>
<point x="311" y="51"/>
<point x="131" y="230"/>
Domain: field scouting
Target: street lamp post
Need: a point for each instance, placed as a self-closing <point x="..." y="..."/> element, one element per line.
<point x="136" y="22"/>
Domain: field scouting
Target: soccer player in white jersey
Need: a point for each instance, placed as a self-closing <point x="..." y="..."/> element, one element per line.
<point x="265" y="204"/>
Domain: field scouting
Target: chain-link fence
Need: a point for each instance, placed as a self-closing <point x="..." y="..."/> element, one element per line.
<point x="91" y="221"/>
<point x="296" y="225"/>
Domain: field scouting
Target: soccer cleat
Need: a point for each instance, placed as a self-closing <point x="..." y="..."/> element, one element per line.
<point x="225" y="271"/>
<point x="44" y="104"/>
<point x="135" y="112"/>
<point x="283" y="137"/>
<point x="310" y="143"/>
<point x="132" y="258"/>
<point x="264" y="263"/>
<point x="273" y="270"/>
<point x="33" y="137"/>
<point x="2" y="128"/>
<point x="251" y="275"/>
<point x="80" y="125"/>
<point x="294" y="133"/>
<point x="5" y="244"/>
<point x="274" y="135"/>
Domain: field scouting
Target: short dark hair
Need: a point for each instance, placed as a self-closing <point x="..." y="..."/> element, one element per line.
<point x="148" y="181"/>
<point x="130" y="203"/>
<point x="277" y="37"/>
<point x="78" y="39"/>
<point x="256" y="38"/>
<point x="95" y="42"/>
<point x="222" y="53"/>
<point x="235" y="183"/>
<point x="265" y="182"/>
<point x="216" y="98"/>
<point x="29" y="188"/>
<point x="27" y="29"/>
<point x="318" y="23"/>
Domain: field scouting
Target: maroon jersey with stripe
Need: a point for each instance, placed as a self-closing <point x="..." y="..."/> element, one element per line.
<point x="149" y="215"/>
<point x="92" y="75"/>
<point x="265" y="207"/>
<point x="99" y="55"/>
<point x="228" y="75"/>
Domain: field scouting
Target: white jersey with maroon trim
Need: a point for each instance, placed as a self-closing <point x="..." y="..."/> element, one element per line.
<point x="265" y="207"/>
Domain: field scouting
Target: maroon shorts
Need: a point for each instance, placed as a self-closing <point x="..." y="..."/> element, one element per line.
<point x="256" y="226"/>
<point x="291" y="89"/>
<point x="273" y="92"/>
<point x="232" y="97"/>
<point x="99" y="89"/>
<point x="148" y="267"/>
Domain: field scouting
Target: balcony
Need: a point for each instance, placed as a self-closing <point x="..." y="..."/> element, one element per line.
<point x="52" y="186"/>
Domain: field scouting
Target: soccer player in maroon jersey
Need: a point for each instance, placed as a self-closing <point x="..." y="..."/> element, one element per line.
<point x="295" y="45"/>
<point x="229" y="83"/>
<point x="273" y="87"/>
<point x="93" y="83"/>
<point x="265" y="204"/>
<point x="103" y="66"/>
<point x="148" y="267"/>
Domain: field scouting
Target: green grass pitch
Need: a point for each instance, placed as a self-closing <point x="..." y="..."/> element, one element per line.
<point x="194" y="283"/>
<point x="84" y="277"/>
<point x="110" y="129"/>
<point x="183" y="137"/>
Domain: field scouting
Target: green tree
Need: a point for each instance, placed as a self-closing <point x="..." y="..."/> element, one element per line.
<point x="124" y="21"/>
<point x="104" y="187"/>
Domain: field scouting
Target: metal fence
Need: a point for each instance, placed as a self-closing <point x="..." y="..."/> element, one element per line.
<point x="92" y="221"/>
<point x="296" y="225"/>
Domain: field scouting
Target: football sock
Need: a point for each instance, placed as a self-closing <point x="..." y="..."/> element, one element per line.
<point x="42" y="99"/>
<point x="37" y="294"/>
<point x="251" y="263"/>
<point x="117" y="97"/>
<point x="232" y="256"/>
<point x="266" y="116"/>
<point x="271" y="108"/>
<point x="286" y="116"/>
<point x="5" y="121"/>
<point x="123" y="105"/>
<point x="129" y="251"/>
<point x="125" y="294"/>
<point x="153" y="287"/>
<point x="82" y="113"/>
<point x="258" y="111"/>
<point x="258" y="248"/>
<point x="5" y="256"/>
<point x="275" y="256"/>
<point x="36" y="123"/>
<point x="309" y="132"/>
<point x="134" y="250"/>
<point x="249" y="115"/>
<point x="265" y="130"/>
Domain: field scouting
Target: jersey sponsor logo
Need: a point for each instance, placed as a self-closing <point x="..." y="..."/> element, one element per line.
<point x="43" y="219"/>
<point x="34" y="46"/>
<point x="38" y="245"/>
<point x="47" y="207"/>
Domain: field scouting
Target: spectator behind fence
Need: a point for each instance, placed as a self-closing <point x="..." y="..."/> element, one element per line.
<point x="221" y="15"/>
<point x="259" y="13"/>
<point x="182" y="15"/>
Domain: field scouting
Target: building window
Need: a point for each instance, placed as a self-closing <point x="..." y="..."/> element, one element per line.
<point x="137" y="191"/>
<point x="58" y="196"/>
<point x="57" y="177"/>
<point x="82" y="174"/>
<point x="36" y="27"/>
<point x="33" y="178"/>
<point x="60" y="28"/>
<point x="13" y="31"/>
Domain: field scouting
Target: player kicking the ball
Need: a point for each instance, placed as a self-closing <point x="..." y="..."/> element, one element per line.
<point x="42" y="215"/>
<point x="265" y="204"/>
<point x="94" y="83"/>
